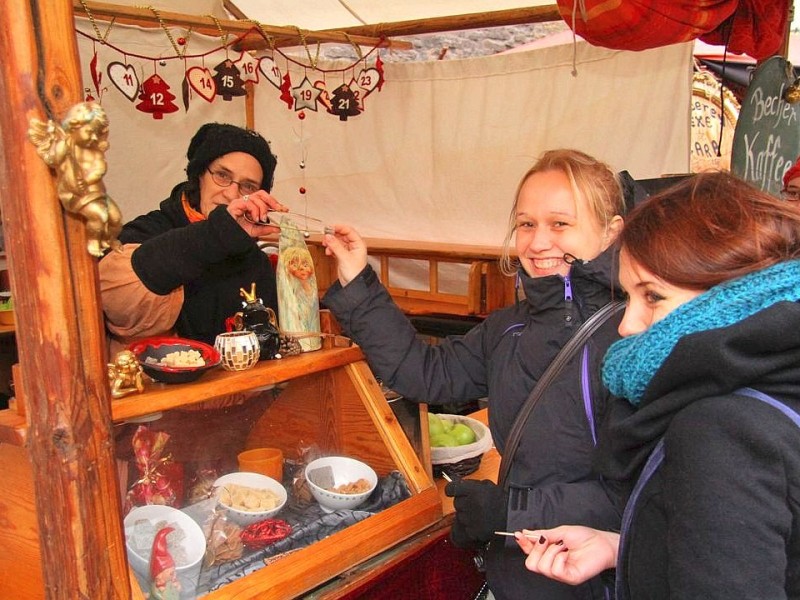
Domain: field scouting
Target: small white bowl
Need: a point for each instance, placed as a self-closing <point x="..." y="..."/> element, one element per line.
<point x="194" y="545"/>
<point x="256" y="481"/>
<point x="344" y="470"/>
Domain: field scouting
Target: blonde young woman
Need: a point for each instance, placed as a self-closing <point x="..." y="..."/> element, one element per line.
<point x="711" y="362"/>
<point x="564" y="219"/>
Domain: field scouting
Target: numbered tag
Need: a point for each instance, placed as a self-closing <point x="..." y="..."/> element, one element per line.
<point x="368" y="80"/>
<point x="124" y="79"/>
<point x="202" y="82"/>
<point x="305" y="96"/>
<point x="344" y="103"/>
<point x="248" y="67"/>
<point x="271" y="71"/>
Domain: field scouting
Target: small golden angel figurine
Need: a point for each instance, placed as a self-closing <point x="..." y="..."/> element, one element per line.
<point x="125" y="374"/>
<point x="76" y="148"/>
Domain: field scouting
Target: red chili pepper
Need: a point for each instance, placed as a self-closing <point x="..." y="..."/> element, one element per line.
<point x="266" y="532"/>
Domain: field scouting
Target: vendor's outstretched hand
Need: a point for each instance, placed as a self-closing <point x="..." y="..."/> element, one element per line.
<point x="251" y="210"/>
<point x="349" y="250"/>
<point x="571" y="553"/>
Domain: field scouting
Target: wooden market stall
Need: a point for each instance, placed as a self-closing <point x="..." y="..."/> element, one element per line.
<point x="62" y="511"/>
<point x="62" y="534"/>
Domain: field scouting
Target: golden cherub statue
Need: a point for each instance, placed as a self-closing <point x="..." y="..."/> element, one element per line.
<point x="125" y="374"/>
<point x="76" y="148"/>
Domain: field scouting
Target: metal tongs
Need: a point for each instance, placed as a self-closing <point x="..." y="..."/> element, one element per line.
<point x="299" y="222"/>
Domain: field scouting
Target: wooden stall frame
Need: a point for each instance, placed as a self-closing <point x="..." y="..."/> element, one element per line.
<point x="487" y="288"/>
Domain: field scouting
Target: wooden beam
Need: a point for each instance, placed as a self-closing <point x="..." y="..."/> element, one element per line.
<point x="498" y="18"/>
<point x="282" y="36"/>
<point x="60" y="336"/>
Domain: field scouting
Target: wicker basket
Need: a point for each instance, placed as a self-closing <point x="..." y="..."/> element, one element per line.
<point x="460" y="461"/>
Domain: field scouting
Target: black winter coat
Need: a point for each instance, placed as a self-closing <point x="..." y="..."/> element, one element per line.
<point x="552" y="478"/>
<point x="211" y="259"/>
<point x="721" y="517"/>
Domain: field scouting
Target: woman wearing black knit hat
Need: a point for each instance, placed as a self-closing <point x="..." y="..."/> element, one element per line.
<point x="180" y="270"/>
<point x="181" y="266"/>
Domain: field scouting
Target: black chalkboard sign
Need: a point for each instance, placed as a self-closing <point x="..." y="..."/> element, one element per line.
<point x="766" y="142"/>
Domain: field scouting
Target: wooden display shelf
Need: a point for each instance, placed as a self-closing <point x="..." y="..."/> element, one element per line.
<point x="329" y="398"/>
<point x="218" y="382"/>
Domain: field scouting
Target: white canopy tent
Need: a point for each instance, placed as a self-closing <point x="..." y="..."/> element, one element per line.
<point x="436" y="155"/>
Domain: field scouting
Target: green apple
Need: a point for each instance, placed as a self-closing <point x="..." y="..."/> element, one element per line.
<point x="441" y="440"/>
<point x="434" y="425"/>
<point x="447" y="424"/>
<point x="463" y="434"/>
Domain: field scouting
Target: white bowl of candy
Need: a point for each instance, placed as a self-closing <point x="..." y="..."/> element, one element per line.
<point x="249" y="497"/>
<point x="340" y="482"/>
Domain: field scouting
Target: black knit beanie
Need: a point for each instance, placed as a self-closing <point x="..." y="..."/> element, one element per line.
<point x="213" y="140"/>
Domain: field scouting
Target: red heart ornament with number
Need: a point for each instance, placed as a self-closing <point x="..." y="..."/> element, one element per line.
<point x="271" y="71"/>
<point x="202" y="82"/>
<point x="124" y="78"/>
<point x="368" y="80"/>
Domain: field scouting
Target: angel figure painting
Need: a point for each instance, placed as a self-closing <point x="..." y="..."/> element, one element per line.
<point x="298" y="300"/>
<point x="76" y="150"/>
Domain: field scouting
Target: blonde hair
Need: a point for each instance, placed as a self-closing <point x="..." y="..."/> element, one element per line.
<point x="589" y="178"/>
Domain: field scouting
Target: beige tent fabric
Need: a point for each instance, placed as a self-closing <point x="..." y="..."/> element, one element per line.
<point x="437" y="154"/>
<point x="339" y="14"/>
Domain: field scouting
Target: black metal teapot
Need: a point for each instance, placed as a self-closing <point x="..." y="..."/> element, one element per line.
<point x="259" y="319"/>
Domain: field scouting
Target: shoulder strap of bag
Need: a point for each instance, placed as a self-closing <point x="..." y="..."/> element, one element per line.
<point x="651" y="466"/>
<point x="566" y="353"/>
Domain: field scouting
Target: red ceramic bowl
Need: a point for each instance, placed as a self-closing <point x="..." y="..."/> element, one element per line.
<point x="156" y="348"/>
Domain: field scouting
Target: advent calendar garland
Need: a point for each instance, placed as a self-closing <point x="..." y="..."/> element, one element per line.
<point x="226" y="80"/>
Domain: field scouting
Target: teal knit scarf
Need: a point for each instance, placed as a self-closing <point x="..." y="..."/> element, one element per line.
<point x="631" y="362"/>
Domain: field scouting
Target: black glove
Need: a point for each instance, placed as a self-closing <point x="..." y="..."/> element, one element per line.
<point x="480" y="511"/>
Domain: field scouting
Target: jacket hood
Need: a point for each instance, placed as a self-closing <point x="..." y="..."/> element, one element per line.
<point x="761" y="351"/>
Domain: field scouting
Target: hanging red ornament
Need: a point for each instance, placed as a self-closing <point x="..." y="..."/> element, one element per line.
<point x="181" y="41"/>
<point x="302" y="190"/>
<point x="301" y="115"/>
<point x="156" y="98"/>
<point x="97" y="75"/>
<point x="379" y="68"/>
<point x="286" y="91"/>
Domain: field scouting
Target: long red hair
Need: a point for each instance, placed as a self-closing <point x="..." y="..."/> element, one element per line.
<point x="711" y="228"/>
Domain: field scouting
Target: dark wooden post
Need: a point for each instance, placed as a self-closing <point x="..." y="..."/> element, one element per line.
<point x="59" y="326"/>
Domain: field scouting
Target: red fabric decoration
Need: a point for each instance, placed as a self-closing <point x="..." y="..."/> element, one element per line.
<point x="753" y="27"/>
<point x="286" y="91"/>
<point x="792" y="173"/>
<point x="156" y="98"/>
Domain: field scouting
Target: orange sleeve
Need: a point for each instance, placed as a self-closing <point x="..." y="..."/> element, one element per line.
<point x="131" y="310"/>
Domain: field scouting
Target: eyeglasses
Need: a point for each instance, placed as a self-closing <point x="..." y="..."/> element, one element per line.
<point x="224" y="179"/>
<point x="790" y="194"/>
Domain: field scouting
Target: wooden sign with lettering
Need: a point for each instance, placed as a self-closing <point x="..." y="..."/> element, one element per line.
<point x="715" y="111"/>
<point x="767" y="138"/>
